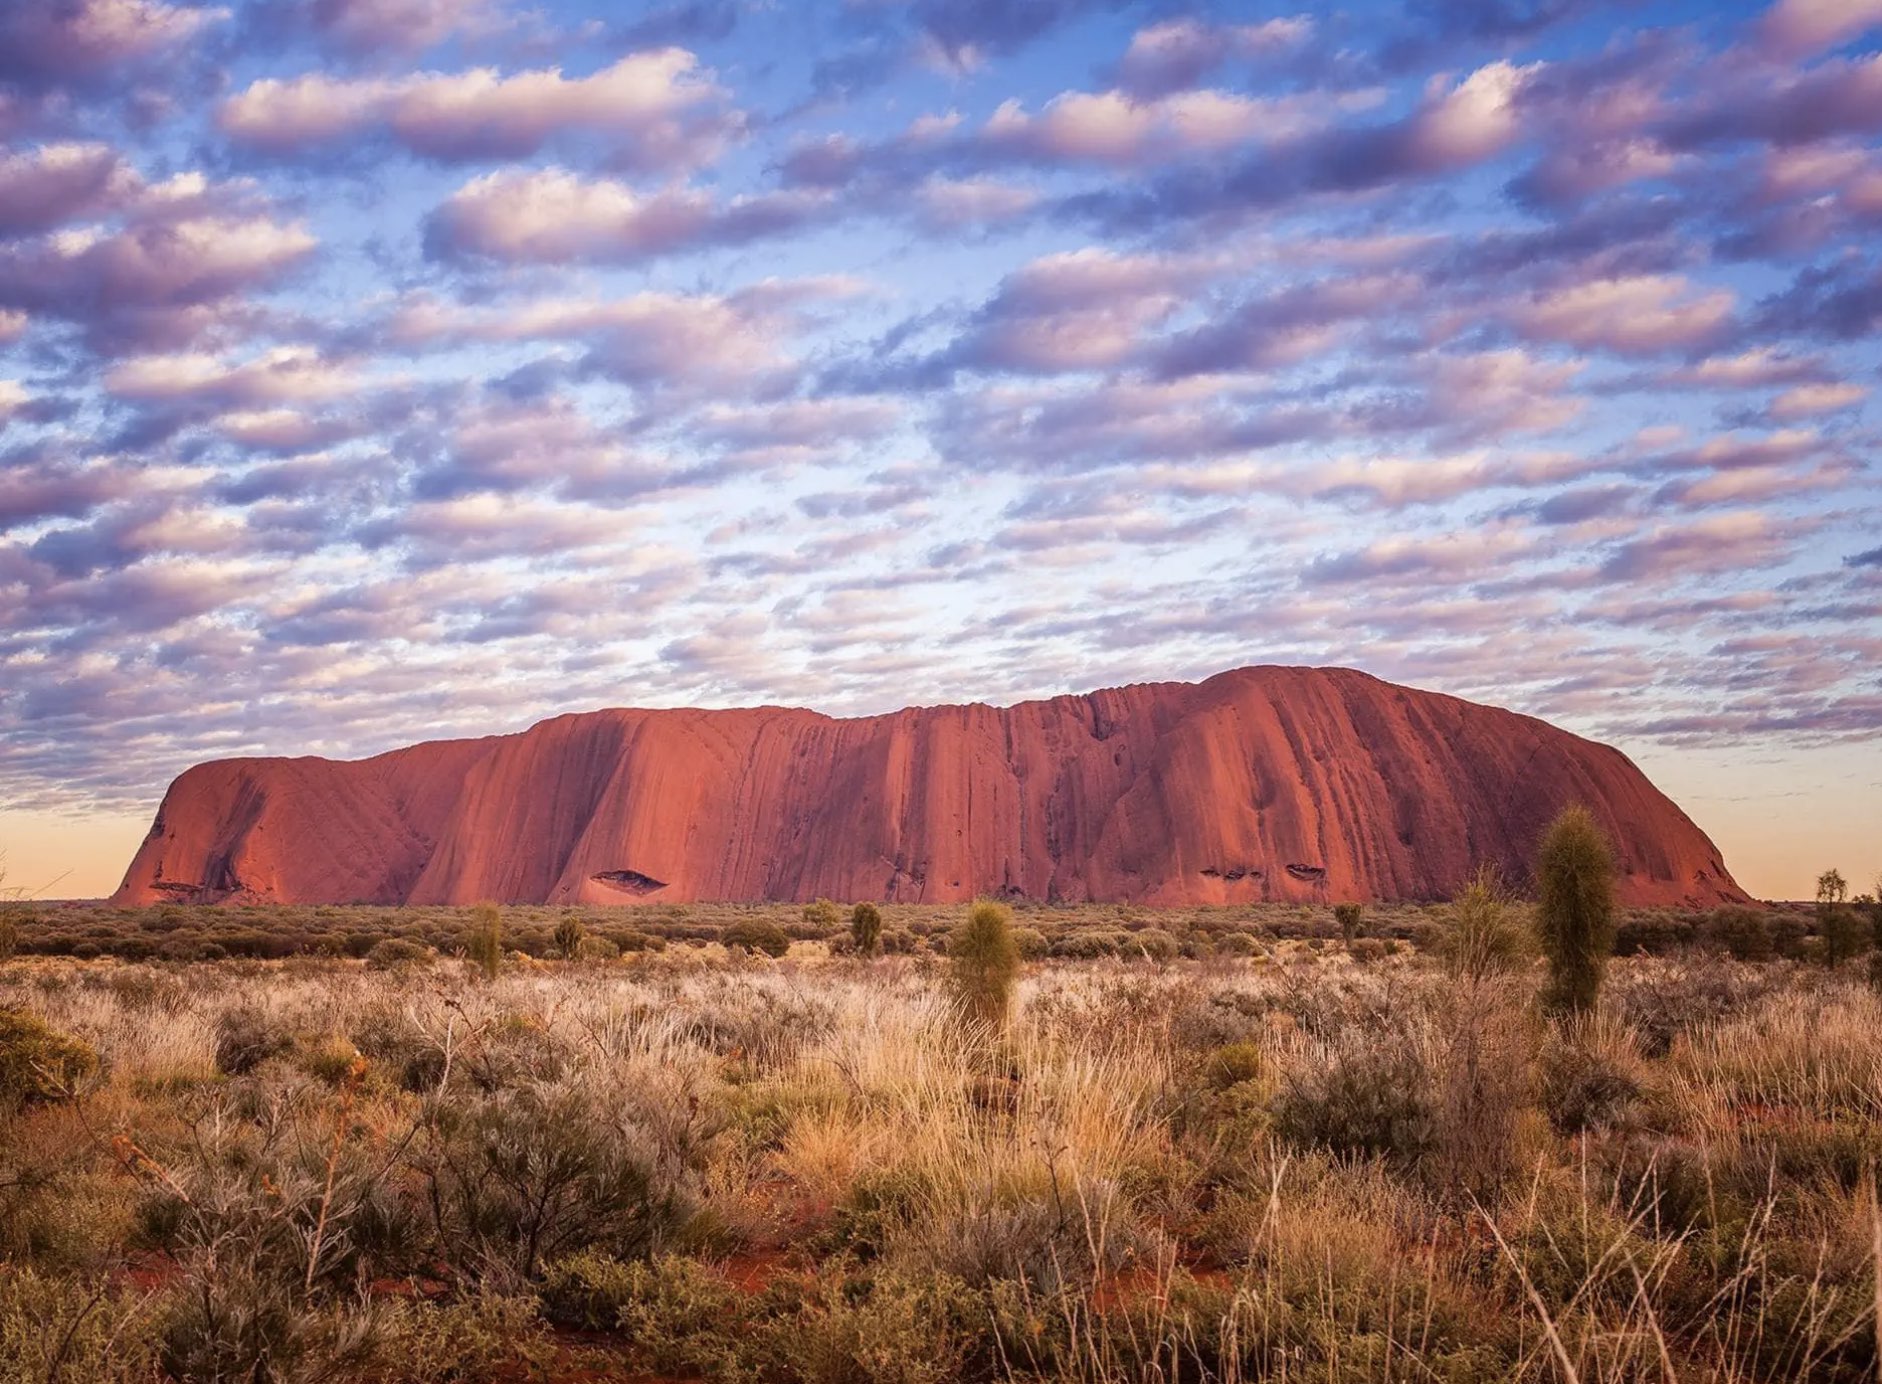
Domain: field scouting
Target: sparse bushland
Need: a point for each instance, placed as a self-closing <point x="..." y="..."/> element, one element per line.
<point x="1247" y="1160"/>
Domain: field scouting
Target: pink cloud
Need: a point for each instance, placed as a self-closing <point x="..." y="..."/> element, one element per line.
<point x="1175" y="53"/>
<point x="75" y="40"/>
<point x="45" y="186"/>
<point x="658" y="110"/>
<point x="553" y="216"/>
<point x="1641" y="315"/>
<point x="1806" y="26"/>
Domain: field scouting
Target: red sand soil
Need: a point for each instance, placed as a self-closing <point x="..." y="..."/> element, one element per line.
<point x="1267" y="783"/>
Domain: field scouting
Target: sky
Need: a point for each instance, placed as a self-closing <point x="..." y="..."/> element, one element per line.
<point x="378" y="370"/>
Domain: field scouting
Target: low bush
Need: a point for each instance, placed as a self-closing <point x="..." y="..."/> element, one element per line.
<point x="395" y="953"/>
<point x="246" y="1037"/>
<point x="535" y="1173"/>
<point x="755" y="935"/>
<point x="37" y="1062"/>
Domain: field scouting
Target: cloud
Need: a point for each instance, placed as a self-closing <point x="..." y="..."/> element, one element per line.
<point x="1175" y="54"/>
<point x="155" y="281"/>
<point x="284" y="374"/>
<point x="1735" y="542"/>
<point x="1640" y="315"/>
<point x="46" y="186"/>
<point x="1806" y="26"/>
<point x="367" y="28"/>
<point x="656" y="110"/>
<point x="1452" y="558"/>
<point x="956" y="203"/>
<point x="46" y="43"/>
<point x="1112" y="127"/>
<point x="1839" y="302"/>
<point x="1079" y="310"/>
<point x="1808" y="400"/>
<point x="650" y="338"/>
<point x="553" y="216"/>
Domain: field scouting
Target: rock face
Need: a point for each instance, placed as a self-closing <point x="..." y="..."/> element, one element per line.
<point x="1264" y="783"/>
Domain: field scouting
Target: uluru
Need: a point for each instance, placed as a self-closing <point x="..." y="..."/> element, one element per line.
<point x="1264" y="783"/>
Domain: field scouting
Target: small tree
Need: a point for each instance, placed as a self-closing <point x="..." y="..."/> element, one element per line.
<point x="484" y="946"/>
<point x="866" y="928"/>
<point x="1349" y="916"/>
<point x="823" y="914"/>
<point x="1832" y="888"/>
<point x="1575" y="909"/>
<point x="568" y="937"/>
<point x="985" y="963"/>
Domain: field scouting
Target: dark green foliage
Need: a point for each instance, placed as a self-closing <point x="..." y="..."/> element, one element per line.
<point x="11" y="916"/>
<point x="1031" y="942"/>
<point x="985" y="963"/>
<point x="756" y="935"/>
<point x="37" y="1062"/>
<point x="866" y="929"/>
<point x="1350" y="917"/>
<point x="1481" y="935"/>
<point x="1844" y="932"/>
<point x="247" y="1037"/>
<point x="484" y="944"/>
<point x="1154" y="944"/>
<point x="568" y="937"/>
<point x="1575" y="909"/>
<point x="521" y="1176"/>
<point x="1832" y="887"/>
<point x="392" y="953"/>
<point x="1742" y="933"/>
<point x="1367" y="1094"/>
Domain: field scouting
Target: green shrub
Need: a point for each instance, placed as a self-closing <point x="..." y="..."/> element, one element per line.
<point x="756" y="935"/>
<point x="395" y="953"/>
<point x="1086" y="944"/>
<point x="985" y="963"/>
<point x="1844" y="933"/>
<point x="37" y="1062"/>
<point x="1154" y="944"/>
<point x="1575" y="909"/>
<point x="1031" y="942"/>
<point x="822" y="915"/>
<point x="1361" y="1093"/>
<point x="72" y="1330"/>
<point x="674" y="1315"/>
<point x="246" y="1037"/>
<point x="633" y="940"/>
<point x="534" y="1173"/>
<point x="568" y="937"/>
<point x="11" y="916"/>
<point x="598" y="949"/>
<point x="866" y="929"/>
<point x="1237" y="944"/>
<point x="1482" y="936"/>
<point x="1741" y="932"/>
<point x="484" y="943"/>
